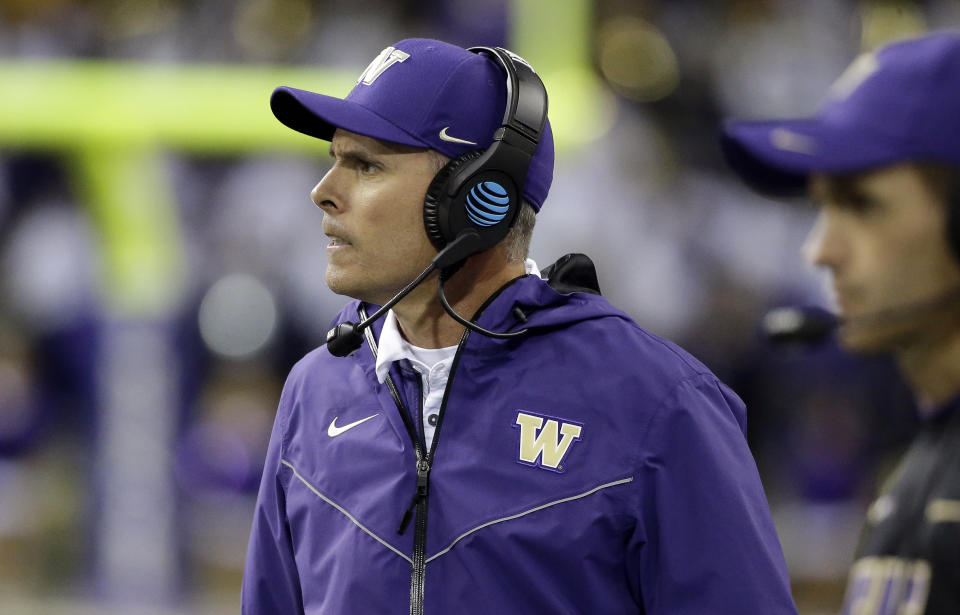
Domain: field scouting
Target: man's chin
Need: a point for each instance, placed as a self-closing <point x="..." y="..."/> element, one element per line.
<point x="870" y="339"/>
<point x="859" y="343"/>
<point x="349" y="286"/>
<point x="341" y="284"/>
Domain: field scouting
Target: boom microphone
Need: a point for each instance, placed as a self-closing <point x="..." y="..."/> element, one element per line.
<point x="807" y="325"/>
<point x="798" y="325"/>
<point x="347" y="337"/>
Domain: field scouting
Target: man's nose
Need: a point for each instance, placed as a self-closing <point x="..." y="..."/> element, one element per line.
<point x="825" y="246"/>
<point x="327" y="194"/>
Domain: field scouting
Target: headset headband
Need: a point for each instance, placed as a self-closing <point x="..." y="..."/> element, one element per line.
<point x="526" y="109"/>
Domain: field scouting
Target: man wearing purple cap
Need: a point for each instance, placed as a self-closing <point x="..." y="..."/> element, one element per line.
<point x="546" y="455"/>
<point x="882" y="160"/>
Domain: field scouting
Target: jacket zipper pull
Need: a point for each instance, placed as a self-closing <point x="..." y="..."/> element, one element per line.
<point x="423" y="476"/>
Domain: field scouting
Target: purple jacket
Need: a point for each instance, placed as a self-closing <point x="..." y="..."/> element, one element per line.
<point x="585" y="467"/>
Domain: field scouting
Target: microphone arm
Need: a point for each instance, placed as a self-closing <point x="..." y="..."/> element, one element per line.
<point x="807" y="325"/>
<point x="347" y="337"/>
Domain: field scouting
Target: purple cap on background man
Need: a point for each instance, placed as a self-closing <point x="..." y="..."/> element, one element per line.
<point x="423" y="93"/>
<point x="900" y="103"/>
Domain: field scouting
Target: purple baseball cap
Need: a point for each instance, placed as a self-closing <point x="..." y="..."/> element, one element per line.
<point x="900" y="103"/>
<point x="423" y="93"/>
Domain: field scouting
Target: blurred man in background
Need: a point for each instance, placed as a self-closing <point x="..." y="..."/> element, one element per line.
<point x="570" y="462"/>
<point x="882" y="161"/>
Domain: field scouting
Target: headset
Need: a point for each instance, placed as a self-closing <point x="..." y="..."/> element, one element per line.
<point x="480" y="191"/>
<point x="473" y="201"/>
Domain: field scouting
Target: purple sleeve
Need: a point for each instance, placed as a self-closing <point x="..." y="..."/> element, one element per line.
<point x="271" y="584"/>
<point x="710" y="544"/>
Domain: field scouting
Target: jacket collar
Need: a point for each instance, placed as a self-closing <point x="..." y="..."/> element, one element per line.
<point x="525" y="302"/>
<point x="392" y="345"/>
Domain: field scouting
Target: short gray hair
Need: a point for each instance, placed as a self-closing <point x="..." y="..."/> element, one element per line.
<point x="517" y="242"/>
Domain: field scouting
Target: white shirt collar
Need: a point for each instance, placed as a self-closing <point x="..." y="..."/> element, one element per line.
<point x="392" y="347"/>
<point x="531" y="267"/>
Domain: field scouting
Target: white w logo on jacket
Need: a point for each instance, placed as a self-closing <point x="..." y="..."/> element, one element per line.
<point x="545" y="439"/>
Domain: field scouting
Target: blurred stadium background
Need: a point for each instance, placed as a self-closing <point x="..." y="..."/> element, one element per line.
<point x="161" y="264"/>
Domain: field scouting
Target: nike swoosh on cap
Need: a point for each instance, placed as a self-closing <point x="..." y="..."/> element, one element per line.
<point x="446" y="137"/>
<point x="334" y="430"/>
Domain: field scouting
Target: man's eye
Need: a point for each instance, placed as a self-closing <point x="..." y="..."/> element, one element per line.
<point x="864" y="206"/>
<point x="367" y="168"/>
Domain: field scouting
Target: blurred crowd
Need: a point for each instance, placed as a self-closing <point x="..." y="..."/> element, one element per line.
<point x="131" y="445"/>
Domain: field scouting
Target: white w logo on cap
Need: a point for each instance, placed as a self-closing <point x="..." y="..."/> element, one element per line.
<point x="852" y="78"/>
<point x="387" y="58"/>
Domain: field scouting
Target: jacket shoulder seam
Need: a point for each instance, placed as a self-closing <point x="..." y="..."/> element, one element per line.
<point x="693" y="379"/>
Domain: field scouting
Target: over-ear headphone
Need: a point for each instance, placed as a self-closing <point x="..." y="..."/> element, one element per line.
<point x="481" y="190"/>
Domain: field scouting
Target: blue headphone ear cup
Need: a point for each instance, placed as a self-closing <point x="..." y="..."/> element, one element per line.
<point x="436" y="203"/>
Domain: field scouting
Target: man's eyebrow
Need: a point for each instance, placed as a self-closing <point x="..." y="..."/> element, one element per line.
<point x="846" y="191"/>
<point x="350" y="153"/>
